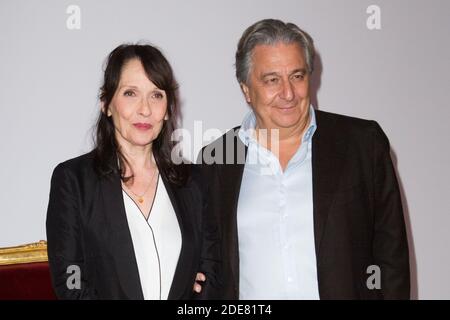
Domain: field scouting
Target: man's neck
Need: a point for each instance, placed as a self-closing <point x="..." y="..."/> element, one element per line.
<point x="283" y="142"/>
<point x="270" y="138"/>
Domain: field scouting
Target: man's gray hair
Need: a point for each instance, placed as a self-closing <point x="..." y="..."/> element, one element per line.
<point x="270" y="32"/>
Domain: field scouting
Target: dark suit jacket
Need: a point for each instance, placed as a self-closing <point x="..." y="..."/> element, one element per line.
<point x="87" y="227"/>
<point x="358" y="217"/>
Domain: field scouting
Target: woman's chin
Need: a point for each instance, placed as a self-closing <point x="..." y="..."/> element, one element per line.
<point x="141" y="142"/>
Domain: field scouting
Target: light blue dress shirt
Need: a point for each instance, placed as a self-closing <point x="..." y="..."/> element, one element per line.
<point x="277" y="257"/>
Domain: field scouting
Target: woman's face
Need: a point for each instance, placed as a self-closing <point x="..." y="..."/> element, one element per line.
<point x="138" y="108"/>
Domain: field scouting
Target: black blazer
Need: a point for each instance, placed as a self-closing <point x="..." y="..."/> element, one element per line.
<point x="87" y="227"/>
<point x="358" y="216"/>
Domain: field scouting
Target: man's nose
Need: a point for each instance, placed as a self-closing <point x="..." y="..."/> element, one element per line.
<point x="287" y="90"/>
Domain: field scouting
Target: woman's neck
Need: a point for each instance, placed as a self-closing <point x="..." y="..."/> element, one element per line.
<point x="140" y="158"/>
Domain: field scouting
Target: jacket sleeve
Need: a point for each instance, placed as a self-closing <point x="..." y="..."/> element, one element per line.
<point x="210" y="259"/>
<point x="64" y="233"/>
<point x="390" y="245"/>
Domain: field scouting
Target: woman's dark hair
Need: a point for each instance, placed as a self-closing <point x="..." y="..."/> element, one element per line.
<point x="107" y="151"/>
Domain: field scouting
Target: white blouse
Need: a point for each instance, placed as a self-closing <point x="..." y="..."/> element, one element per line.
<point x="156" y="242"/>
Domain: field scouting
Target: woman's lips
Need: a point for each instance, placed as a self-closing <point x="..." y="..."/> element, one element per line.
<point x="143" y="126"/>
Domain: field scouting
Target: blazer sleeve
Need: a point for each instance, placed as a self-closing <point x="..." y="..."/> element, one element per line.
<point x="64" y="232"/>
<point x="390" y="245"/>
<point x="210" y="259"/>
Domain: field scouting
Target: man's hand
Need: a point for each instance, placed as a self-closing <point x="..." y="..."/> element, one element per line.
<point x="197" y="286"/>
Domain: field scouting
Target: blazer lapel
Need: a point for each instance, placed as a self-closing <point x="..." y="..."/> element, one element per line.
<point x="231" y="179"/>
<point x="120" y="237"/>
<point x="179" y="280"/>
<point x="327" y="157"/>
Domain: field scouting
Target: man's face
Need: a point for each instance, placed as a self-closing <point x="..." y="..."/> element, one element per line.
<point x="278" y="86"/>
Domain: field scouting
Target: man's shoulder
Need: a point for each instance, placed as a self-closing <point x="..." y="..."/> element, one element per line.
<point x="227" y="136"/>
<point x="227" y="145"/>
<point x="329" y="118"/>
<point x="339" y="124"/>
<point x="348" y="128"/>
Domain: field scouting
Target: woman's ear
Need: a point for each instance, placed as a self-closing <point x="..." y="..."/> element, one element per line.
<point x="108" y="112"/>
<point x="166" y="117"/>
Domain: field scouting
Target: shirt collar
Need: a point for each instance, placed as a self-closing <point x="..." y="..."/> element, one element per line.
<point x="307" y="137"/>
<point x="246" y="132"/>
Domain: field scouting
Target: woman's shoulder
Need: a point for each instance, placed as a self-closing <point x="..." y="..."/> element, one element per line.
<point x="83" y="164"/>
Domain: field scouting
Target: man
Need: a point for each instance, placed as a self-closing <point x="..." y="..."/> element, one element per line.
<point x="303" y="204"/>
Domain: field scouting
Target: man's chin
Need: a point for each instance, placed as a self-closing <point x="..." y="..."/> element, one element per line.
<point x="287" y="121"/>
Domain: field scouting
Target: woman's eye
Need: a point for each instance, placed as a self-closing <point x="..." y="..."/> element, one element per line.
<point x="128" y="93"/>
<point x="158" y="95"/>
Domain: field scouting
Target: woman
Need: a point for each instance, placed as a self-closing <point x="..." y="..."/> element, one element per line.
<point x="123" y="221"/>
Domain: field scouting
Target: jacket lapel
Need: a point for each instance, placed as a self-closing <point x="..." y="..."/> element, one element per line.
<point x="328" y="154"/>
<point x="179" y="280"/>
<point x="231" y="179"/>
<point x="121" y="243"/>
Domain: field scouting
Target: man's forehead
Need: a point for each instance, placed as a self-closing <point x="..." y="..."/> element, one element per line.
<point x="277" y="46"/>
<point x="266" y="57"/>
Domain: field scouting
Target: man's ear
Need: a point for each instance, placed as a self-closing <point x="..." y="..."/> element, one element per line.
<point x="246" y="92"/>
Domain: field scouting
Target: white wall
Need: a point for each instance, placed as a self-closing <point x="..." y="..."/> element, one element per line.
<point x="399" y="76"/>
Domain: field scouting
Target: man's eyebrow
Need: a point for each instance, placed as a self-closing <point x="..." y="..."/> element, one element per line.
<point x="301" y="70"/>
<point x="269" y="74"/>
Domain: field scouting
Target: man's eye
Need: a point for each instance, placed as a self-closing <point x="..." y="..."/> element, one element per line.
<point x="272" y="80"/>
<point x="128" y="93"/>
<point x="299" y="76"/>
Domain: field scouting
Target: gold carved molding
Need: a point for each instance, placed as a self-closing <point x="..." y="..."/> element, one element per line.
<point x="28" y="253"/>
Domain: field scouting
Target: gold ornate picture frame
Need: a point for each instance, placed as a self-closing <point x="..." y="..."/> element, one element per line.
<point x="28" y="253"/>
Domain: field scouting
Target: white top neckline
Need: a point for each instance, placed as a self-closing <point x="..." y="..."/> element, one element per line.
<point x="156" y="242"/>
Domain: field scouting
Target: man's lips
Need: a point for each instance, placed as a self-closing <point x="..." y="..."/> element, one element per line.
<point x="285" y="108"/>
